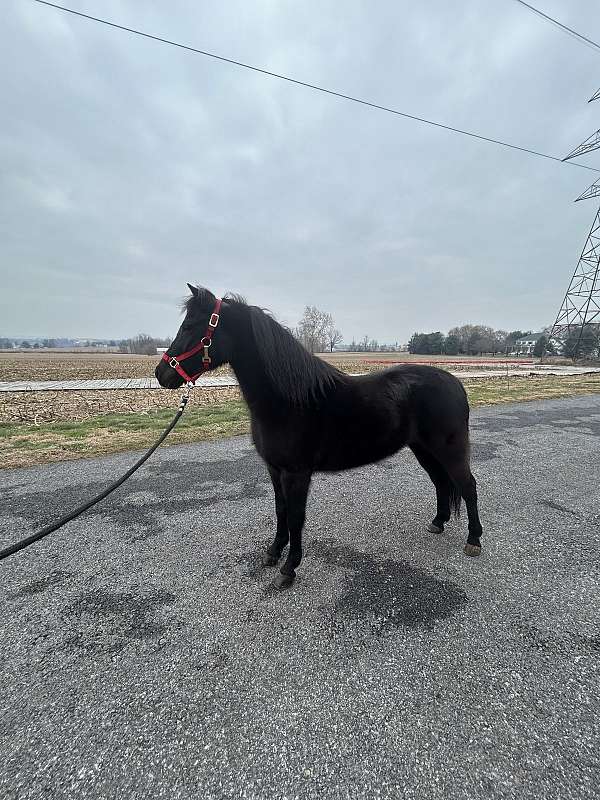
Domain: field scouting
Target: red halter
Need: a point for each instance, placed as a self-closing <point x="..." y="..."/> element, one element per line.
<point x="204" y="344"/>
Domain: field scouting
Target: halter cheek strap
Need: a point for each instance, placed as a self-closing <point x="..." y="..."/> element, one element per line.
<point x="203" y="344"/>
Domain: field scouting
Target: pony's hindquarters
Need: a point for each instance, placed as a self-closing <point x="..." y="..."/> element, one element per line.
<point x="441" y="444"/>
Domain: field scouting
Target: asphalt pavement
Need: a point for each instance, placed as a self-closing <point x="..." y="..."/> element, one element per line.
<point x="144" y="653"/>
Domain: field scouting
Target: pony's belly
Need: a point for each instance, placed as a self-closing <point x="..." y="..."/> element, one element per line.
<point x="351" y="454"/>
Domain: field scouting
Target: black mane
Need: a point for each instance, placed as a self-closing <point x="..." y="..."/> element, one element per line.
<point x="294" y="373"/>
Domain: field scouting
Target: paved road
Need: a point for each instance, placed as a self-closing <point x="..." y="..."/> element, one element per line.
<point x="143" y="653"/>
<point x="96" y="385"/>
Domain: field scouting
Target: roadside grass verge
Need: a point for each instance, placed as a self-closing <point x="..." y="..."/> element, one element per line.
<point x="491" y="391"/>
<point x="26" y="445"/>
<point x="23" y="445"/>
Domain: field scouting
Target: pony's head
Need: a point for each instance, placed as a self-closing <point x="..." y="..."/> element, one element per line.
<point x="200" y="320"/>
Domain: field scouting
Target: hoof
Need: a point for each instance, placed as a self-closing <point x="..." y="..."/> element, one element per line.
<point x="283" y="581"/>
<point x="472" y="549"/>
<point x="269" y="560"/>
<point x="432" y="528"/>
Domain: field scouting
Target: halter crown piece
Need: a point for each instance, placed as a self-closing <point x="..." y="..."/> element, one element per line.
<point x="203" y="344"/>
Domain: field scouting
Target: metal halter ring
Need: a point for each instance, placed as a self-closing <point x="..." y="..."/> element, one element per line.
<point x="174" y="363"/>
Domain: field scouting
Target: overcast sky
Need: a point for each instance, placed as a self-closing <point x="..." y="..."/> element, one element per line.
<point x="128" y="167"/>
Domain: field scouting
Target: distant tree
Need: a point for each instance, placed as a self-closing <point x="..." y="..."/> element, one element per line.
<point x="499" y="341"/>
<point x="426" y="343"/>
<point x="481" y="340"/>
<point x="25" y="344"/>
<point x="36" y="346"/>
<point x="435" y="342"/>
<point x="582" y="343"/>
<point x="462" y="334"/>
<point x="6" y="344"/>
<point x="484" y="344"/>
<point x="451" y="345"/>
<point x="415" y="343"/>
<point x="334" y="336"/>
<point x="143" y="344"/>
<point x="312" y="329"/>
<point x="540" y="346"/>
<point x="550" y="347"/>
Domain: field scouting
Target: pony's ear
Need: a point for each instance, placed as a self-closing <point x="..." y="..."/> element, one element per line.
<point x="193" y="289"/>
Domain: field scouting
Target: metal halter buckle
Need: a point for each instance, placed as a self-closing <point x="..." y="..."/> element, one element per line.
<point x="214" y="317"/>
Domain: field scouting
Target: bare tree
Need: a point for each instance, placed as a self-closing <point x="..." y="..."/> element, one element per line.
<point x="142" y="344"/>
<point x="312" y="329"/>
<point x="334" y="335"/>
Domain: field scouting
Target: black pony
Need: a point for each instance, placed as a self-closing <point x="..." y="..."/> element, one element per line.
<point x="308" y="416"/>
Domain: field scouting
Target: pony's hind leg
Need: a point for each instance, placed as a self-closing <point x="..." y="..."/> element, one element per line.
<point x="469" y="492"/>
<point x="443" y="487"/>
<point x="452" y="452"/>
<point x="459" y="470"/>
<point x="282" y="536"/>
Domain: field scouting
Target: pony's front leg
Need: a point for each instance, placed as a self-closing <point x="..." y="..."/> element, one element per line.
<point x="295" y="487"/>
<point x="282" y="536"/>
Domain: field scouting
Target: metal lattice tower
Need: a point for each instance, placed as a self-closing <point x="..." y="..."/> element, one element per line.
<point x="579" y="314"/>
<point x="591" y="143"/>
<point x="580" y="307"/>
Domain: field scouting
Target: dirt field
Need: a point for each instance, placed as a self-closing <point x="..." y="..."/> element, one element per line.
<point x="53" y="366"/>
<point x="372" y="362"/>
<point x="33" y="408"/>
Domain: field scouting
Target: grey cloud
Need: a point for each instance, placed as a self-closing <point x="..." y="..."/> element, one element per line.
<point x="128" y="168"/>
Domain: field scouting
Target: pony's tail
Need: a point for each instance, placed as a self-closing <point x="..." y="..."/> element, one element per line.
<point x="455" y="499"/>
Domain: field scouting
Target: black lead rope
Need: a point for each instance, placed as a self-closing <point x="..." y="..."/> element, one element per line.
<point x="35" y="537"/>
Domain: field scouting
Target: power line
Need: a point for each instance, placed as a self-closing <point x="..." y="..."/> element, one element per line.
<point x="583" y="39"/>
<point x="312" y="85"/>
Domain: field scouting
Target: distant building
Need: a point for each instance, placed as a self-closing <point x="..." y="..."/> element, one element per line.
<point x="527" y="343"/>
<point x="161" y="350"/>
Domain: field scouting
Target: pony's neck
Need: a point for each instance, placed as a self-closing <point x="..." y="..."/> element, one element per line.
<point x="274" y="371"/>
<point x="248" y="367"/>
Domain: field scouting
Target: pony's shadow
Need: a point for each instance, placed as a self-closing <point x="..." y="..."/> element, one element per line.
<point x="388" y="594"/>
<point x="385" y="594"/>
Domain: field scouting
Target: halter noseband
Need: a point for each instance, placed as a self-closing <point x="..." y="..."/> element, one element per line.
<point x="203" y="344"/>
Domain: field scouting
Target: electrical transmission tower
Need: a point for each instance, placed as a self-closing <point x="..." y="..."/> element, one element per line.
<point x="577" y="324"/>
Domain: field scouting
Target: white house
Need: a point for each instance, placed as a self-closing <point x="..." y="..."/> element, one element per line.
<point x="527" y="343"/>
